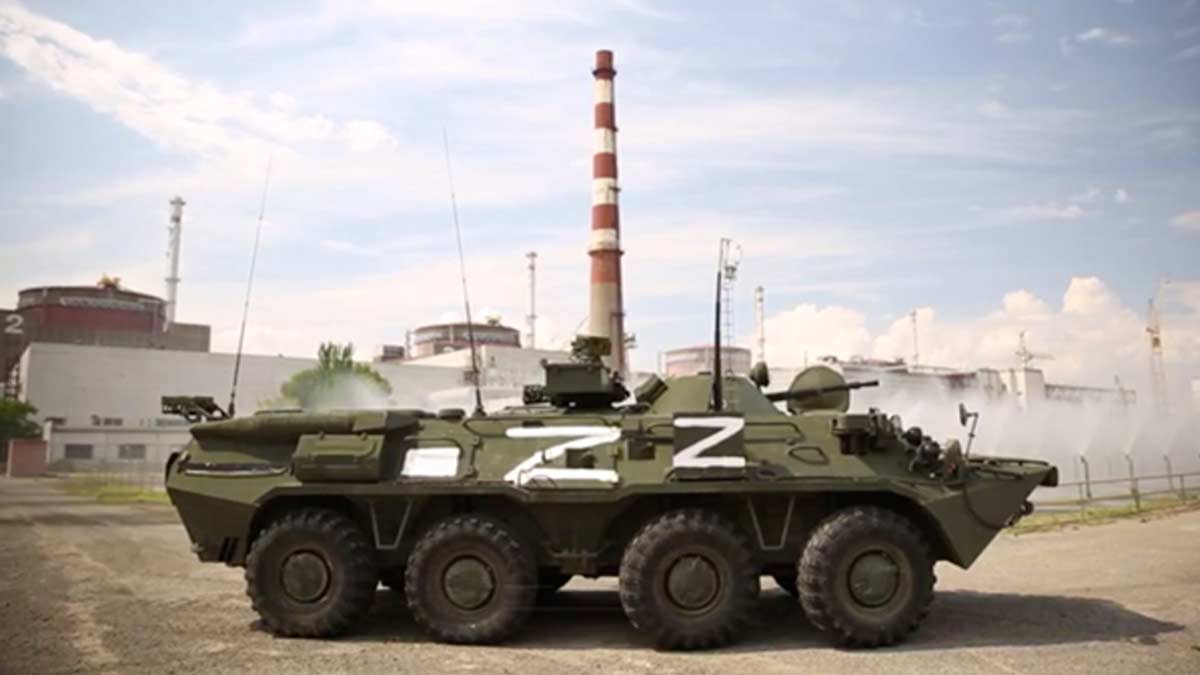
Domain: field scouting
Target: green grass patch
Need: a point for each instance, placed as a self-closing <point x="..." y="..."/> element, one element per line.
<point x="108" y="492"/>
<point x="1096" y="515"/>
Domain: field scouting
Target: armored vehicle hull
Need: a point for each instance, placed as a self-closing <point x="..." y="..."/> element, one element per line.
<point x="473" y="516"/>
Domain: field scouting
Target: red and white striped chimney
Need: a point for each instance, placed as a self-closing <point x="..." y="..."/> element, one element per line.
<point x="606" y="311"/>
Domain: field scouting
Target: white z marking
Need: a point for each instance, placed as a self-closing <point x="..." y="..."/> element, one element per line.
<point x="727" y="427"/>
<point x="581" y="438"/>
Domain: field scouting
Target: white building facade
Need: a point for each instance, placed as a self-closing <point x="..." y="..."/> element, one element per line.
<point x="104" y="403"/>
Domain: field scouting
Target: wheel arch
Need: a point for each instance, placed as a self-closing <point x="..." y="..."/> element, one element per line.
<point x="275" y="507"/>
<point x="921" y="517"/>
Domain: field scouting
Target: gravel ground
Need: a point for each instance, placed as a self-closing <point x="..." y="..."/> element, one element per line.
<point x="95" y="588"/>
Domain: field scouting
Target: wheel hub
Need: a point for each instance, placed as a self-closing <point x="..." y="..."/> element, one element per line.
<point x="692" y="582"/>
<point x="468" y="583"/>
<point x="874" y="579"/>
<point x="304" y="576"/>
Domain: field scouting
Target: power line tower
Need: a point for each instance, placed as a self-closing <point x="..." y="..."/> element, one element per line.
<point x="1026" y="357"/>
<point x="1158" y="375"/>
<point x="731" y="258"/>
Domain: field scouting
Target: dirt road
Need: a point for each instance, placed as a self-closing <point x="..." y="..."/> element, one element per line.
<point x="87" y="588"/>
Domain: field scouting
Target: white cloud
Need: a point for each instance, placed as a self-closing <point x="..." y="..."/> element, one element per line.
<point x="1121" y="196"/>
<point x="329" y="16"/>
<point x="1187" y="54"/>
<point x="1188" y="220"/>
<point x="1106" y="36"/>
<point x="1048" y="211"/>
<point x="1013" y="28"/>
<point x="197" y="119"/>
<point x="339" y="246"/>
<point x="808" y="332"/>
<point x="993" y="109"/>
<point x="1091" y="194"/>
<point x="1091" y="334"/>
<point x="1185" y="33"/>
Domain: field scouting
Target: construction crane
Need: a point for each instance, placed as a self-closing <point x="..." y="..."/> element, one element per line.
<point x="1024" y="356"/>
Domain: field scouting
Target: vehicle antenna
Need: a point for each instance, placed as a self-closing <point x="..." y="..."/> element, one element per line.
<point x="462" y="270"/>
<point x="237" y="360"/>
<point x="718" y="402"/>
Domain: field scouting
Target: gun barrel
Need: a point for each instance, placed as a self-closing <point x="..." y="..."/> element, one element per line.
<point x="793" y="394"/>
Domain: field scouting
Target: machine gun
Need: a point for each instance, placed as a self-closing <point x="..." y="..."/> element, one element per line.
<point x="809" y="392"/>
<point x="193" y="408"/>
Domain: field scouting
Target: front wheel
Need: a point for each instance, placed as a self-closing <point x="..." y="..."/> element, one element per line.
<point x="866" y="577"/>
<point x="310" y="574"/>
<point x="687" y="578"/>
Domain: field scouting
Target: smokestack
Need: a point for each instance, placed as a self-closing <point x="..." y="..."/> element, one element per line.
<point x="606" y="312"/>
<point x="174" y="232"/>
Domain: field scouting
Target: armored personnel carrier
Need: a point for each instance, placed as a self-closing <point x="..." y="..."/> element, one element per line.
<point x="688" y="492"/>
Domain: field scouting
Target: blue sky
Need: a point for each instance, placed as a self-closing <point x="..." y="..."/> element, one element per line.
<point x="997" y="166"/>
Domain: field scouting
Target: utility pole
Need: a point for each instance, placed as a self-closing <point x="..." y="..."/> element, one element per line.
<point x="760" y="323"/>
<point x="1158" y="375"/>
<point x="531" y="336"/>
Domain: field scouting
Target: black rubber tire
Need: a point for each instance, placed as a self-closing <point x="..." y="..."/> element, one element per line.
<point x="346" y="555"/>
<point x="549" y="583"/>
<point x="509" y="561"/>
<point x="787" y="582"/>
<point x="824" y="571"/>
<point x="651" y="554"/>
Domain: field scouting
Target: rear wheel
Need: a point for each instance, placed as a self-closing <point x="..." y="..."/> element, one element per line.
<point x="470" y="580"/>
<point x="687" y="578"/>
<point x="310" y="574"/>
<point x="866" y="577"/>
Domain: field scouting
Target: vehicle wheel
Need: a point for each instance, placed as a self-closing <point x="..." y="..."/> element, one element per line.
<point x="866" y="577"/>
<point x="470" y="580"/>
<point x="550" y="582"/>
<point x="310" y="574"/>
<point x="787" y="581"/>
<point x="687" y="578"/>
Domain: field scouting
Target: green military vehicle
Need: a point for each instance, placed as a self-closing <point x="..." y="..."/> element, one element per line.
<point x="688" y="492"/>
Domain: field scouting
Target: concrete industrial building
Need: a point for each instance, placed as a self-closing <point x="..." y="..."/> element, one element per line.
<point x="441" y="338"/>
<point x="1024" y="387"/>
<point x="104" y="403"/>
<point x="699" y="359"/>
<point x="103" y="314"/>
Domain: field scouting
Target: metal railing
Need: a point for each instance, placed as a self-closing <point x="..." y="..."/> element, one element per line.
<point x="1134" y="489"/>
